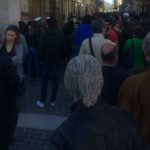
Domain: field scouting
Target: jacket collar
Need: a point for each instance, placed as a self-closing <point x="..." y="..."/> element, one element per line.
<point x="78" y="106"/>
<point x="98" y="35"/>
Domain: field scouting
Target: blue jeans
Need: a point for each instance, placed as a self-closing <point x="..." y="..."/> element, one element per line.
<point x="49" y="70"/>
<point x="33" y="58"/>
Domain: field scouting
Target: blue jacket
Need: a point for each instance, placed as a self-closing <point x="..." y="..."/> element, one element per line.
<point x="83" y="32"/>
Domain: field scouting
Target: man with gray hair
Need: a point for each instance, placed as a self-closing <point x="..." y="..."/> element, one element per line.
<point x="134" y="95"/>
<point x="93" y="125"/>
<point x="97" y="40"/>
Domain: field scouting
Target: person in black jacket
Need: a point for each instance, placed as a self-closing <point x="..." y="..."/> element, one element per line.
<point x="93" y="124"/>
<point x="51" y="52"/>
<point x="9" y="83"/>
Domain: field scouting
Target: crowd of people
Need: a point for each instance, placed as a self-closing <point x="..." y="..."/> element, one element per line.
<point x="107" y="74"/>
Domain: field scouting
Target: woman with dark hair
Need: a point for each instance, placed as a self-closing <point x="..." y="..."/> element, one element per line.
<point x="135" y="44"/>
<point x="33" y="38"/>
<point x="13" y="47"/>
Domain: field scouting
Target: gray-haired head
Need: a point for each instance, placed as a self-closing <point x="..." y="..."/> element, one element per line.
<point x="83" y="79"/>
<point x="146" y="44"/>
<point x="98" y="26"/>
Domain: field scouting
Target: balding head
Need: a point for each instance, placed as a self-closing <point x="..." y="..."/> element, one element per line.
<point x="109" y="53"/>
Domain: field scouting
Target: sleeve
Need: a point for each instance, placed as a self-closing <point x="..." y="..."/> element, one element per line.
<point x="19" y="55"/>
<point x="126" y="47"/>
<point x="25" y="47"/>
<point x="41" y="49"/>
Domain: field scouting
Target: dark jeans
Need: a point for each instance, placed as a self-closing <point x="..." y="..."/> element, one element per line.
<point x="50" y="71"/>
<point x="33" y="58"/>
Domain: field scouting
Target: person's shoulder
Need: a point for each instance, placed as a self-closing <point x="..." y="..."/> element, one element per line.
<point x="121" y="117"/>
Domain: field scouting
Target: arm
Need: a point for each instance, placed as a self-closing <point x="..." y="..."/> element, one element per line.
<point x="25" y="47"/>
<point x="18" y="59"/>
<point x="41" y="49"/>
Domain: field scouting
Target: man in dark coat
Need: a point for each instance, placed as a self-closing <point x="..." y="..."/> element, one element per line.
<point x="9" y="82"/>
<point x="93" y="124"/>
<point x="51" y="52"/>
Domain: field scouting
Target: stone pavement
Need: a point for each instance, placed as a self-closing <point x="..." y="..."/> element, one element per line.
<point x="36" y="125"/>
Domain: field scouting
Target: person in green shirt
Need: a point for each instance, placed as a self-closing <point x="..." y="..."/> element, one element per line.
<point x="138" y="54"/>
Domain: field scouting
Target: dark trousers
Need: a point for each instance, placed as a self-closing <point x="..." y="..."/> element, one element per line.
<point x="4" y="136"/>
<point x="50" y="71"/>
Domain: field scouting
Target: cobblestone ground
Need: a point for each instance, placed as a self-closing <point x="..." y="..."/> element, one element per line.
<point x="37" y="139"/>
<point x="31" y="139"/>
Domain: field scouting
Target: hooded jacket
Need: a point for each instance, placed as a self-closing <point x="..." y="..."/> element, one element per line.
<point x="52" y="47"/>
<point x="83" y="32"/>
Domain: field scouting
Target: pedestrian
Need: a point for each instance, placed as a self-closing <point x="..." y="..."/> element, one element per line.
<point x="9" y="83"/>
<point x="13" y="47"/>
<point x="97" y="40"/>
<point x="33" y="39"/>
<point x="135" y="45"/>
<point x="93" y="125"/>
<point x="51" y="52"/>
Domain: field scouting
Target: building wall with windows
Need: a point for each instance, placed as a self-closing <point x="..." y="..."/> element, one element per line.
<point x="16" y="10"/>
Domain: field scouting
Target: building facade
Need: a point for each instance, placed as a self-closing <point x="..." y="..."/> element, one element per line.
<point x="15" y="10"/>
<point x="141" y="7"/>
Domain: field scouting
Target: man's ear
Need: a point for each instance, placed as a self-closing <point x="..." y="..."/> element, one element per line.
<point x="145" y="52"/>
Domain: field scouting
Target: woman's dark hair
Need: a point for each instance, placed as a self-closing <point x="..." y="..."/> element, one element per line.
<point x="138" y="31"/>
<point x="16" y="30"/>
<point x="87" y="19"/>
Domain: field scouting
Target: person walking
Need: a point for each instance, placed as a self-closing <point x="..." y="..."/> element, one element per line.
<point x="9" y="83"/>
<point x="51" y="52"/>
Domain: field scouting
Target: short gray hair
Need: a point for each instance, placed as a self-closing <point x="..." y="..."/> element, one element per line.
<point x="146" y="43"/>
<point x="83" y="79"/>
<point x="98" y="25"/>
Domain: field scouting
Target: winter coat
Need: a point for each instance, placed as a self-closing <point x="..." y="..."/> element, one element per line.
<point x="100" y="127"/>
<point x="52" y="47"/>
<point x="83" y="32"/>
